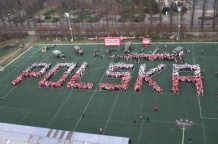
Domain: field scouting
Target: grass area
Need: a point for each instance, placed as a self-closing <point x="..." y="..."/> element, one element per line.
<point x="12" y="53"/>
<point x="114" y="111"/>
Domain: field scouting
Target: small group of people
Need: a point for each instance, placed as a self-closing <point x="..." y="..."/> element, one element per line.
<point x="151" y="57"/>
<point x="75" y="83"/>
<point x="146" y="76"/>
<point x="95" y="53"/>
<point x="195" y="78"/>
<point x="123" y="86"/>
<point x="120" y="65"/>
<point x="29" y="72"/>
<point x="45" y="81"/>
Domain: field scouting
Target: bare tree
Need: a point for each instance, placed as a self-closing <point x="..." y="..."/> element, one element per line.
<point x="2" y="12"/>
<point x="8" y="11"/>
<point x="203" y="14"/>
<point x="106" y="6"/>
<point x="171" y="11"/>
<point x="193" y="13"/>
<point x="150" y="13"/>
<point x="160" y="11"/>
<point x="215" y="11"/>
<point x="30" y="8"/>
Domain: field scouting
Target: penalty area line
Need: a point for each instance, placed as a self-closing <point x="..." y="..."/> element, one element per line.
<point x="203" y="117"/>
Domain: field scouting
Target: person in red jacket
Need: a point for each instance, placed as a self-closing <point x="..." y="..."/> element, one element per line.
<point x="156" y="107"/>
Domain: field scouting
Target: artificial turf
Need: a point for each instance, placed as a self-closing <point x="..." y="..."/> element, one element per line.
<point x="114" y="112"/>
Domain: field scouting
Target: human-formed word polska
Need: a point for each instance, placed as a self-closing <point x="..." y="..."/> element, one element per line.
<point x="111" y="72"/>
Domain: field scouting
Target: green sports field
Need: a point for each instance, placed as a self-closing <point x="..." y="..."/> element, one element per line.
<point x="114" y="112"/>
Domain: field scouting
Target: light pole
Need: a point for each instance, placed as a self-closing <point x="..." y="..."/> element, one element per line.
<point x="9" y="19"/>
<point x="184" y="125"/>
<point x="70" y="28"/>
<point x="179" y="25"/>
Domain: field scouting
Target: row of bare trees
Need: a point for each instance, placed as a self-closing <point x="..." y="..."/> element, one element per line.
<point x="20" y="13"/>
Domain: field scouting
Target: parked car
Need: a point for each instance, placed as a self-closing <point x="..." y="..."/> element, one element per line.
<point x="58" y="54"/>
<point x="78" y="50"/>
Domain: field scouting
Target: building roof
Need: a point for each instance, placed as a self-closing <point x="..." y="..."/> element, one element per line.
<point x="19" y="134"/>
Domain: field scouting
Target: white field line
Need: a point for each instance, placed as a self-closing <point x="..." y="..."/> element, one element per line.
<point x="199" y="104"/>
<point x="31" y="56"/>
<point x="130" y="123"/>
<point x="140" y="134"/>
<point x="25" y="116"/>
<point x="8" y="92"/>
<point x="18" y="56"/>
<point x="11" y="91"/>
<point x="193" y="60"/>
<point x="193" y="50"/>
<point x="205" y="142"/>
<point x="20" y="109"/>
<point x="87" y="104"/>
<point x="18" y="66"/>
<point x="110" y="113"/>
<point x="208" y="57"/>
<point x="94" y="69"/>
<point x="59" y="109"/>
<point x="214" y="118"/>
<point x="216" y="48"/>
<point x="14" y="65"/>
<point x="13" y="61"/>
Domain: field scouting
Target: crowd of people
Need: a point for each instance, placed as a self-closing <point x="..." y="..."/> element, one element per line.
<point x="195" y="78"/>
<point x="29" y="72"/>
<point x="120" y="65"/>
<point x="123" y="86"/>
<point x="75" y="83"/>
<point x="110" y="72"/>
<point x="45" y="81"/>
<point x="146" y="76"/>
<point x="151" y="57"/>
<point x="125" y="77"/>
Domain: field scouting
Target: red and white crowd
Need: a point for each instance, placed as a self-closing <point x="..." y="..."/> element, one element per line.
<point x="45" y="81"/>
<point x="29" y="72"/>
<point x="120" y="65"/>
<point x="125" y="77"/>
<point x="75" y="83"/>
<point x="195" y="78"/>
<point x="151" y="57"/>
<point x="146" y="76"/>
